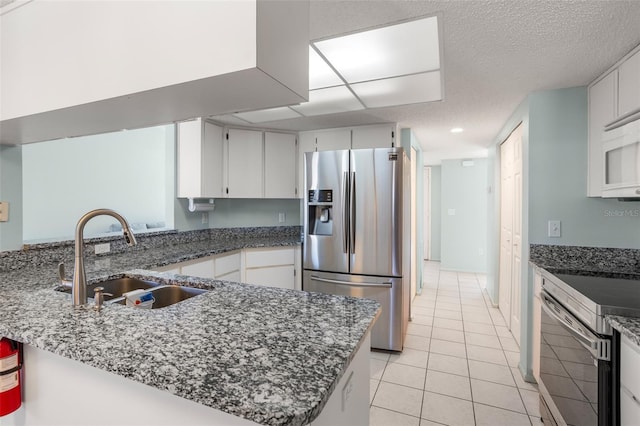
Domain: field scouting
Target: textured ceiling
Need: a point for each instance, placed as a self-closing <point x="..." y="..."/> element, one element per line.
<point x="495" y="53"/>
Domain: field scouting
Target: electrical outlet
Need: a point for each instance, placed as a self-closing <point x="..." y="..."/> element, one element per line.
<point x="205" y="217"/>
<point x="282" y="217"/>
<point x="4" y="211"/>
<point x="451" y="212"/>
<point x="102" y="248"/>
<point x="554" y="228"/>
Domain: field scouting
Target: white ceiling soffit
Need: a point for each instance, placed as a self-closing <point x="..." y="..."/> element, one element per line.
<point x="271" y="114"/>
<point x="328" y="101"/>
<point x="405" y="48"/>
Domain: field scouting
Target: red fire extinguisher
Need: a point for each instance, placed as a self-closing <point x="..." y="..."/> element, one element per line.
<point x="10" y="369"/>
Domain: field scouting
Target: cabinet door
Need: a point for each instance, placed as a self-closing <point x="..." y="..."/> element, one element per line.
<point x="274" y="276"/>
<point x="212" y="161"/>
<point x="199" y="160"/>
<point x="245" y="164"/>
<point x="227" y="263"/>
<point x="629" y="382"/>
<point x="333" y="140"/>
<point x="602" y="110"/>
<point x="306" y="143"/>
<point x="279" y="165"/>
<point x="200" y="268"/>
<point x="372" y="137"/>
<point x="629" y="85"/>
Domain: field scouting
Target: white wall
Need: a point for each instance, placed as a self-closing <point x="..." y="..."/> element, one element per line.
<point x="124" y="171"/>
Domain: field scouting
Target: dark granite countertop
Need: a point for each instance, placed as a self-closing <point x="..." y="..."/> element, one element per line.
<point x="593" y="262"/>
<point x="627" y="326"/>
<point x="269" y="355"/>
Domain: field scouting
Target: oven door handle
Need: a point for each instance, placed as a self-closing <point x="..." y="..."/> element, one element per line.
<point x="599" y="348"/>
<point x="388" y="284"/>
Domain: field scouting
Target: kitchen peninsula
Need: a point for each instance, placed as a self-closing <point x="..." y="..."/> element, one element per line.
<point x="237" y="354"/>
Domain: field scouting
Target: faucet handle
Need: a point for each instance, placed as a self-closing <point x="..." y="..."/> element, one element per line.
<point x="63" y="281"/>
<point x="99" y="297"/>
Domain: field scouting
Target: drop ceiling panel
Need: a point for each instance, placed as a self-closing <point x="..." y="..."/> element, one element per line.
<point x="410" y="89"/>
<point x="329" y="101"/>
<point x="385" y="52"/>
<point x="320" y="74"/>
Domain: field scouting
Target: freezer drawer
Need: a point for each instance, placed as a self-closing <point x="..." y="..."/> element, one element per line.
<point x="388" y="331"/>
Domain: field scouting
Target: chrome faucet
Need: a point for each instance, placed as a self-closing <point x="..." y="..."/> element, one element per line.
<point x="79" y="286"/>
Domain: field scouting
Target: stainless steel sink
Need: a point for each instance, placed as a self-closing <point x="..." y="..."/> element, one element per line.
<point x="167" y="295"/>
<point x="164" y="295"/>
<point x="115" y="287"/>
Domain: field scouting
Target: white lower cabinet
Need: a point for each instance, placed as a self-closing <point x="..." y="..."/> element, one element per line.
<point x="270" y="266"/>
<point x="537" y="313"/>
<point x="629" y="383"/>
<point x="220" y="266"/>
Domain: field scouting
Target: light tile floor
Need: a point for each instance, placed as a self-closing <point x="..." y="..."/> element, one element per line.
<point x="459" y="365"/>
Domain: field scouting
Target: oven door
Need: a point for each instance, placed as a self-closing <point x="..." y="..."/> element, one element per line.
<point x="575" y="368"/>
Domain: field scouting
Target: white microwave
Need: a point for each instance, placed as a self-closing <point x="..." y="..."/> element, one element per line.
<point x="621" y="156"/>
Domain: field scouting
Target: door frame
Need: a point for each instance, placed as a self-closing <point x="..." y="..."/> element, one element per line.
<point x="426" y="176"/>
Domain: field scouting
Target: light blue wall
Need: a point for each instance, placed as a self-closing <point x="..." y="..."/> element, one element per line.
<point x="436" y="210"/>
<point x="464" y="216"/>
<point x="247" y="213"/>
<point x="11" y="192"/>
<point x="558" y="178"/>
<point x="554" y="177"/>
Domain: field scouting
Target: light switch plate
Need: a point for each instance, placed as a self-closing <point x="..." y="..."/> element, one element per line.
<point x="4" y="211"/>
<point x="554" y="229"/>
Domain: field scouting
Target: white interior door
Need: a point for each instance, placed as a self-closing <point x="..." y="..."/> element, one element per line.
<point x="510" y="283"/>
<point x="414" y="242"/>
<point x="516" y="305"/>
<point x="427" y="213"/>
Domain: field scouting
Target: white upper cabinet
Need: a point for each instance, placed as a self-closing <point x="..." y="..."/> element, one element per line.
<point x="360" y="137"/>
<point x="331" y="140"/>
<point x="279" y="165"/>
<point x="373" y="136"/>
<point x="614" y="101"/>
<point x="245" y="164"/>
<point x="91" y="59"/>
<point x="200" y="159"/>
<point x="602" y="111"/>
<point x="629" y="86"/>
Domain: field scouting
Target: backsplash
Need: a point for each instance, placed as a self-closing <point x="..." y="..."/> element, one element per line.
<point x="579" y="258"/>
<point x="45" y="253"/>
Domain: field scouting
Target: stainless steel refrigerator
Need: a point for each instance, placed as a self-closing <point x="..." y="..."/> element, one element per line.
<point x="356" y="239"/>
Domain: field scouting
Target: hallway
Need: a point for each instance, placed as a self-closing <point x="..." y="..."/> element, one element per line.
<point x="459" y="365"/>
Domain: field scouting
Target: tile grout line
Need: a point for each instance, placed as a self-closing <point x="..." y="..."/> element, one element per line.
<point x="464" y="335"/>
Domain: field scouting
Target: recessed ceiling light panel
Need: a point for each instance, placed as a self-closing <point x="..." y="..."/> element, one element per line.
<point x="457" y="130"/>
<point x="410" y="89"/>
<point x="271" y="114"/>
<point x="400" y="49"/>
<point x="329" y="101"/>
<point x="320" y="73"/>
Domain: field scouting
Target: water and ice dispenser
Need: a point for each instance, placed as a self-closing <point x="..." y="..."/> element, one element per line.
<point x="320" y="207"/>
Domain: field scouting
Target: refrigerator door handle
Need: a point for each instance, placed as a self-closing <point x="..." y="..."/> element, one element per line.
<point x="345" y="212"/>
<point x="351" y="283"/>
<point x="352" y="205"/>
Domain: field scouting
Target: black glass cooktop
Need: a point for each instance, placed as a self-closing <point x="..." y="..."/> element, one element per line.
<point x="606" y="292"/>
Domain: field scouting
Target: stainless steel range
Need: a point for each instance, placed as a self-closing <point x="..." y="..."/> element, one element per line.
<point x="579" y="359"/>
